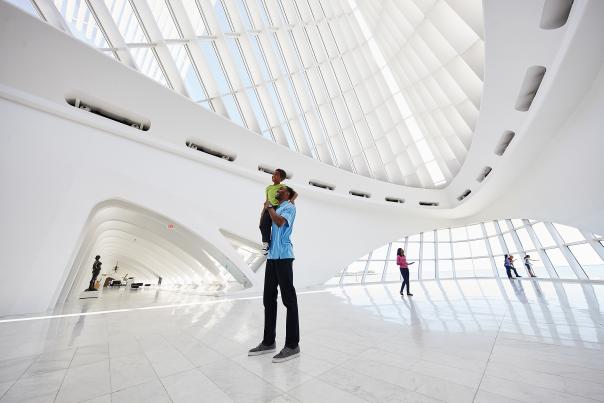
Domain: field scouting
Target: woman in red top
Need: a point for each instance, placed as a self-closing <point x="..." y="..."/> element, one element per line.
<point x="401" y="261"/>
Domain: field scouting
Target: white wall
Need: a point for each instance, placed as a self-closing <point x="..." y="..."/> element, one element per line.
<point x="58" y="163"/>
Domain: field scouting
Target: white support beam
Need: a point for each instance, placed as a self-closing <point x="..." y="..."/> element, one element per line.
<point x="52" y="15"/>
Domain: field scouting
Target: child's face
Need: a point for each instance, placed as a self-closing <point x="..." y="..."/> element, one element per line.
<point x="276" y="177"/>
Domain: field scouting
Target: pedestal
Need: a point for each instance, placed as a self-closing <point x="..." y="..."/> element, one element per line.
<point x="89" y="294"/>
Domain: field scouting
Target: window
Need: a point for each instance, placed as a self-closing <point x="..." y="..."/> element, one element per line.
<point x="444" y="250"/>
<point x="569" y="234"/>
<point x="525" y="239"/>
<point x="560" y="264"/>
<point x="354" y="273"/>
<point x="428" y="250"/>
<point x="589" y="260"/>
<point x="543" y="234"/>
<point x="374" y="272"/>
<point x="461" y="250"/>
<point x="428" y="269"/>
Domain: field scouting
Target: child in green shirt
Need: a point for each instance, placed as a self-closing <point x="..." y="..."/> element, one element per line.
<point x="265" y="219"/>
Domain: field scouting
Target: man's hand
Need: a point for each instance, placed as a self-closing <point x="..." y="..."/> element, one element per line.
<point x="267" y="204"/>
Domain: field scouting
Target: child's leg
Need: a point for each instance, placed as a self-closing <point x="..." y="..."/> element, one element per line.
<point x="265" y="226"/>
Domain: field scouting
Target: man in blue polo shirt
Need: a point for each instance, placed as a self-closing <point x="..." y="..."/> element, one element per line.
<point x="279" y="272"/>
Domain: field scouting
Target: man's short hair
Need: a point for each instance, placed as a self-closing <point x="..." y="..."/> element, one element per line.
<point x="281" y="173"/>
<point x="291" y="191"/>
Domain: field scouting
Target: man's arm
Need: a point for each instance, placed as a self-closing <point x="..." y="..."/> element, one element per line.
<point x="277" y="219"/>
<point x="293" y="198"/>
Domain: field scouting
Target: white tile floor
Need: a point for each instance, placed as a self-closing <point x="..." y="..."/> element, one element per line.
<point x="456" y="341"/>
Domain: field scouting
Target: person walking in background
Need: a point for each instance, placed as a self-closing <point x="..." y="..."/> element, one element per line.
<point x="529" y="265"/>
<point x="509" y="266"/>
<point x="401" y="261"/>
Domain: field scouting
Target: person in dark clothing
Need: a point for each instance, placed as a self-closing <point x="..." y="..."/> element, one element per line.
<point x="401" y="261"/>
<point x="509" y="266"/>
<point x="96" y="270"/>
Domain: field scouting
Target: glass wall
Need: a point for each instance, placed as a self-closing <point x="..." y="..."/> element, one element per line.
<point x="555" y="250"/>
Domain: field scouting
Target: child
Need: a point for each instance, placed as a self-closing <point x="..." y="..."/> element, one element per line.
<point x="265" y="219"/>
<point x="529" y="265"/>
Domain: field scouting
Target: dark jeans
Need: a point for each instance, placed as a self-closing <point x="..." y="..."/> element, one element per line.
<point x="92" y="281"/>
<point x="265" y="226"/>
<point x="508" y="270"/>
<point x="279" y="272"/>
<point x="405" y="274"/>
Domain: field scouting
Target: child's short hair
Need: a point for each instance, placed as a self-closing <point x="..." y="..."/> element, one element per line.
<point x="281" y="173"/>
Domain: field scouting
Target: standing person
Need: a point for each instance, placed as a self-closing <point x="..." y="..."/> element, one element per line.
<point x="508" y="267"/>
<point x="279" y="272"/>
<point x="529" y="265"/>
<point x="96" y="269"/>
<point x="401" y="261"/>
<point x="265" y="219"/>
<point x="511" y="260"/>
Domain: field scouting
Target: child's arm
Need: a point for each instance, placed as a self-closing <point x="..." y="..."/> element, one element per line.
<point x="293" y="198"/>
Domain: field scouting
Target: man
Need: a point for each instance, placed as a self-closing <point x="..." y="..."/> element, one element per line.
<point x="96" y="269"/>
<point x="279" y="273"/>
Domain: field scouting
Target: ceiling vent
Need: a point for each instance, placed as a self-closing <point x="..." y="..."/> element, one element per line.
<point x="394" y="200"/>
<point x="530" y="87"/>
<point x="109" y="113"/>
<point x="484" y="173"/>
<point x="428" y="204"/>
<point x="555" y="13"/>
<point x="504" y="142"/>
<point x="269" y="170"/>
<point x="321" y="185"/>
<point x="211" y="151"/>
<point x="360" y="194"/>
<point x="464" y="195"/>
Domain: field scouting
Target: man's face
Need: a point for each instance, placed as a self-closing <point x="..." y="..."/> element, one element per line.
<point x="282" y="194"/>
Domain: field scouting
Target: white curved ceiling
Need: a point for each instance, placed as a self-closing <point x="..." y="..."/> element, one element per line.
<point x="388" y="90"/>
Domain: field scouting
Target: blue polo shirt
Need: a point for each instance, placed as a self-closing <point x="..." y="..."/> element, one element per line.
<point x="281" y="245"/>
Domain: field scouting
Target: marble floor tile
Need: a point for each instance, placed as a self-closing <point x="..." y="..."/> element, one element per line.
<point x="36" y="388"/>
<point x="193" y="386"/>
<point x="283" y="377"/>
<point x="85" y="382"/>
<point x="130" y="370"/>
<point x="12" y="369"/>
<point x="316" y="390"/>
<point x="149" y="392"/>
<point x="167" y="361"/>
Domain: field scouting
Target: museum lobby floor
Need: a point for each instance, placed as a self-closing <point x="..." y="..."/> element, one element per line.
<point x="457" y="341"/>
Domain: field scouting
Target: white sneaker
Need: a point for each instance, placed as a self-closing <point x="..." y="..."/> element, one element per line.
<point x="265" y="248"/>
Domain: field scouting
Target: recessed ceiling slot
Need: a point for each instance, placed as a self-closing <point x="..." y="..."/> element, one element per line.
<point x="429" y="204"/>
<point x="211" y="151"/>
<point x="136" y="123"/>
<point x="530" y="87"/>
<point x="360" y="194"/>
<point x="321" y="185"/>
<point x="484" y="173"/>
<point x="555" y="13"/>
<point x="504" y="142"/>
<point x="394" y="200"/>
<point x="268" y="170"/>
<point x="464" y="195"/>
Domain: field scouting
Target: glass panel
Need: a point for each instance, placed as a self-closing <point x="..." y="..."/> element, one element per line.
<point x="374" y="272"/>
<point x="257" y="109"/>
<point x="459" y="234"/>
<point x="335" y="280"/>
<point x="482" y="267"/>
<point x="354" y="273"/>
<point x="517" y="222"/>
<point x="194" y="15"/>
<point x="81" y="22"/>
<point x="237" y="58"/>
<point x="490" y="228"/>
<point x="126" y="21"/>
<point x="230" y="102"/>
<point x="461" y="249"/>
<point x="560" y="264"/>
<point x="428" y="250"/>
<point x="428" y="269"/>
<point x="590" y="261"/>
<point x="380" y="253"/>
<point x="475" y="231"/>
<point x="444" y="250"/>
<point x="443" y="235"/>
<point x="569" y="234"/>
<point x="543" y="234"/>
<point x="213" y="62"/>
<point x="245" y="16"/>
<point x="509" y="242"/>
<point x="187" y="72"/>
<point x="464" y="268"/>
<point x="412" y="251"/>
<point x="414" y="238"/>
<point x="429" y="236"/>
<point x="222" y="17"/>
<point x="445" y="268"/>
<point x="393" y="272"/>
<point x="495" y="245"/>
<point x="479" y="248"/>
<point x="162" y="15"/>
<point x="503" y="226"/>
<point x="148" y="65"/>
<point x="394" y="248"/>
<point x="525" y="239"/>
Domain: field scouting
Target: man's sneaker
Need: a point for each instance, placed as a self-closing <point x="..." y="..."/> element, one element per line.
<point x="262" y="349"/>
<point x="287" y="354"/>
<point x="265" y="248"/>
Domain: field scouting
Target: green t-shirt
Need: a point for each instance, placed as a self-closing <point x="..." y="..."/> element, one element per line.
<point x="271" y="192"/>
